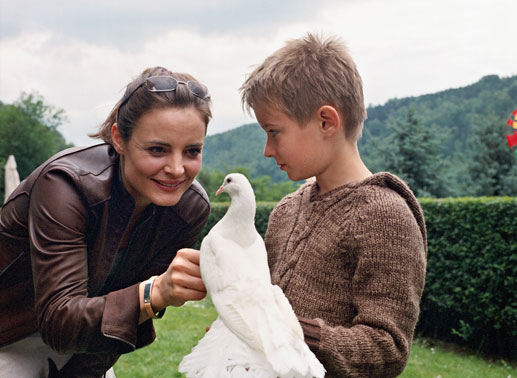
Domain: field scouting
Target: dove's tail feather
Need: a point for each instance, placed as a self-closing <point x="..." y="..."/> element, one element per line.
<point x="207" y="356"/>
<point x="221" y="354"/>
<point x="251" y="372"/>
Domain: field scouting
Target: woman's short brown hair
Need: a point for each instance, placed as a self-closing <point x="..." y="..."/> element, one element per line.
<point x="128" y="111"/>
<point x="306" y="74"/>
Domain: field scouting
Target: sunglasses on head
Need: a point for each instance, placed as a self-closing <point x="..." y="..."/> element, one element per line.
<point x="168" y="84"/>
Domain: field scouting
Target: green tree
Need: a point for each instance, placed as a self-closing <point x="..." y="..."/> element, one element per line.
<point x="411" y="151"/>
<point x="490" y="164"/>
<point x="29" y="131"/>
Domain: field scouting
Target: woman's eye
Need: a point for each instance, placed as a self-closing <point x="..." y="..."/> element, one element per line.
<point x="272" y="132"/>
<point x="156" y="150"/>
<point x="194" y="151"/>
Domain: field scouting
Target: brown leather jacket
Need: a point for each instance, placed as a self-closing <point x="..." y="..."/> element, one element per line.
<point x="61" y="269"/>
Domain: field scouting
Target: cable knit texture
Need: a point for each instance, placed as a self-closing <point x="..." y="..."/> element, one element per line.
<point x="352" y="263"/>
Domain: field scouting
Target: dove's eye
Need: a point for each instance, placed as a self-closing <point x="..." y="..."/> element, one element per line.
<point x="228" y="180"/>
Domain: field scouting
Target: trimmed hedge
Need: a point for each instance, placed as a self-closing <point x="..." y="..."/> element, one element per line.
<point x="470" y="295"/>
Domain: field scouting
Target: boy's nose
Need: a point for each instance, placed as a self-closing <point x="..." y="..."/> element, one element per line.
<point x="268" y="150"/>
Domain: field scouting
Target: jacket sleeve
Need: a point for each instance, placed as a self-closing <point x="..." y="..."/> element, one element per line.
<point x="386" y="290"/>
<point x="69" y="320"/>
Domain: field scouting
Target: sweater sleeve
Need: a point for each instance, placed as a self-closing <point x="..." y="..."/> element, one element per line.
<point x="386" y="289"/>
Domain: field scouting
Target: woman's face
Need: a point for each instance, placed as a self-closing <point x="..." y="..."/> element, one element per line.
<point x="163" y="155"/>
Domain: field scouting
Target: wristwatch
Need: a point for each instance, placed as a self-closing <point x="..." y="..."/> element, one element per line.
<point x="147" y="299"/>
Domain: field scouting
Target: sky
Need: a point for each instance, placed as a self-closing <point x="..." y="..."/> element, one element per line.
<point x="79" y="55"/>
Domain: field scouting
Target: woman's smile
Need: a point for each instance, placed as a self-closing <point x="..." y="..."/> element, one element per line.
<point x="168" y="185"/>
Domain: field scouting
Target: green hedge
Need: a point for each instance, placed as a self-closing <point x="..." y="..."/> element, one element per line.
<point x="470" y="295"/>
<point x="471" y="285"/>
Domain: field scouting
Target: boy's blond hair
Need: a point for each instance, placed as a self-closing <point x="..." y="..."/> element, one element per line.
<point x="306" y="74"/>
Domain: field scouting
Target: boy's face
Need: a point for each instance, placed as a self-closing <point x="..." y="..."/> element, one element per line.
<point x="298" y="149"/>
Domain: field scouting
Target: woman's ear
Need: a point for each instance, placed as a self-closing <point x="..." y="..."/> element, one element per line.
<point x="116" y="139"/>
<point x="329" y="120"/>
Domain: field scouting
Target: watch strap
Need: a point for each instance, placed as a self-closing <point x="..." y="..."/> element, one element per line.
<point x="147" y="299"/>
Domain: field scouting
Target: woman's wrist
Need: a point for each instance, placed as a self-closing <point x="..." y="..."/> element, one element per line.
<point x="157" y="300"/>
<point x="150" y="300"/>
<point x="148" y="287"/>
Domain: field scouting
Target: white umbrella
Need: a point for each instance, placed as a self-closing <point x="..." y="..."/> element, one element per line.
<point x="12" y="178"/>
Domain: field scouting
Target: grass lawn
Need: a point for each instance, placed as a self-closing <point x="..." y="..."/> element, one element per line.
<point x="435" y="359"/>
<point x="180" y="329"/>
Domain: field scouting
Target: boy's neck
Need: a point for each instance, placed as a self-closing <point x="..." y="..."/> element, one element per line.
<point x="346" y="167"/>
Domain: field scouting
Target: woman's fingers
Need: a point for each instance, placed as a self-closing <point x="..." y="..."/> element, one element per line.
<point x="187" y="261"/>
<point x="182" y="281"/>
<point x="186" y="281"/>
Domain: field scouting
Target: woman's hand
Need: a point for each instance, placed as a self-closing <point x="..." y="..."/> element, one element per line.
<point x="180" y="283"/>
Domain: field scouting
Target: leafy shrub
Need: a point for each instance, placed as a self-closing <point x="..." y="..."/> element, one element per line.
<point x="471" y="285"/>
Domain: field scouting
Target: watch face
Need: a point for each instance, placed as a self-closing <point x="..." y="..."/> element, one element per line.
<point x="147" y="300"/>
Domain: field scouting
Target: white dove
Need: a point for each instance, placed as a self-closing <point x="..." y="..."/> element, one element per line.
<point x="256" y="333"/>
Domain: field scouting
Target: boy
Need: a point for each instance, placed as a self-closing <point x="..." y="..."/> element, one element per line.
<point x="349" y="248"/>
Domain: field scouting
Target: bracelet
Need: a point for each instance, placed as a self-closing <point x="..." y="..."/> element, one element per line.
<point x="147" y="299"/>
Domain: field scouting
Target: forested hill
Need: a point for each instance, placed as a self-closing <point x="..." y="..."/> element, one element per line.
<point x="451" y="121"/>
<point x="451" y="114"/>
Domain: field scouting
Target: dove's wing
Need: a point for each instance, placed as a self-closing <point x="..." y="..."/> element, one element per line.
<point x="254" y="315"/>
<point x="230" y="277"/>
<point x="244" y="297"/>
<point x="287" y="313"/>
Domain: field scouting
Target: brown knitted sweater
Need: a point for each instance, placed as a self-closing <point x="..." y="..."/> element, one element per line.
<point x="352" y="263"/>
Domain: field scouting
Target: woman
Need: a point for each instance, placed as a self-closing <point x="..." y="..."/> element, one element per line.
<point x="83" y="237"/>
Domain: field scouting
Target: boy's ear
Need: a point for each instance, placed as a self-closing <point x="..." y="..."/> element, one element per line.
<point x="329" y="120"/>
<point x="116" y="139"/>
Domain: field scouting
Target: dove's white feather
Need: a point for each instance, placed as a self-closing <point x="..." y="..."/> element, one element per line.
<point x="256" y="333"/>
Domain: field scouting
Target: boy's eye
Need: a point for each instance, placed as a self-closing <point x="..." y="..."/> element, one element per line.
<point x="272" y="132"/>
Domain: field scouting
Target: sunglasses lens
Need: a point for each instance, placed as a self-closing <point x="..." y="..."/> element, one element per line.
<point x="167" y="83"/>
<point x="161" y="83"/>
<point x="197" y="89"/>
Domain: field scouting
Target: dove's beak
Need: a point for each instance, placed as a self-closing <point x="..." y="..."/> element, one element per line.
<point x="219" y="191"/>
